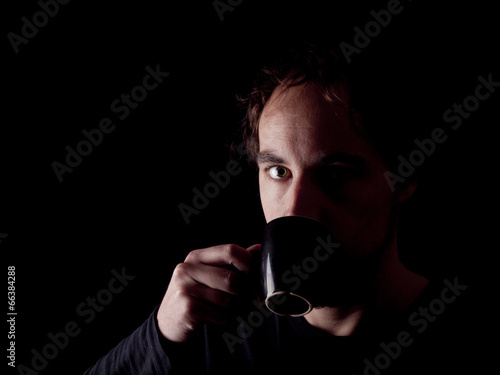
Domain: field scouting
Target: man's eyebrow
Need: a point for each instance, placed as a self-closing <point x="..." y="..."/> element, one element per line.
<point x="337" y="157"/>
<point x="268" y="157"/>
<point x="342" y="157"/>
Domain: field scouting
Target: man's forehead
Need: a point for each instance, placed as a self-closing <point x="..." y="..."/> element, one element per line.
<point x="284" y="100"/>
<point x="303" y="115"/>
<point x="300" y="121"/>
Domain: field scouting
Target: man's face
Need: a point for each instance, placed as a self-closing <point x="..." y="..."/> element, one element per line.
<point x="313" y="162"/>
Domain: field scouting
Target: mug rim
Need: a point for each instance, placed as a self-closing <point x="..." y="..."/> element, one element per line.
<point x="310" y="307"/>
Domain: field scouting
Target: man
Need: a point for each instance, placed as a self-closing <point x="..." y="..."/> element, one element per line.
<point x="311" y="135"/>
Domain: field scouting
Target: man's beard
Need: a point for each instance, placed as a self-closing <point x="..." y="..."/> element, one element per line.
<point x="350" y="282"/>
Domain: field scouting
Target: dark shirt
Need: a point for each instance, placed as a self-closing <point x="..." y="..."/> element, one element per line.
<point x="430" y="338"/>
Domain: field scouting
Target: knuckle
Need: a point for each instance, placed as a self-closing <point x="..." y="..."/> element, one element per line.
<point x="180" y="274"/>
<point x="189" y="307"/>
<point x="181" y="293"/>
<point x="190" y="325"/>
<point x="229" y="279"/>
<point x="181" y="270"/>
<point x="192" y="256"/>
<point x="229" y="251"/>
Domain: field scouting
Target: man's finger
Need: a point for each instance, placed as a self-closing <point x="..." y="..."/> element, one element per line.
<point x="209" y="295"/>
<point x="223" y="256"/>
<point x="220" y="278"/>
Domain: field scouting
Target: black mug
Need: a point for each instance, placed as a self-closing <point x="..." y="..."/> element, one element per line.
<point x="300" y="263"/>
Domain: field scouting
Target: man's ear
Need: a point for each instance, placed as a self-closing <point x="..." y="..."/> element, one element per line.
<point x="407" y="190"/>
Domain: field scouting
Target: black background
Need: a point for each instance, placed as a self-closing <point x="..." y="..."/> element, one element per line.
<point x="119" y="207"/>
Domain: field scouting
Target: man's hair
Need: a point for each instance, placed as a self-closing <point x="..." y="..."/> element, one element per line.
<point x="375" y="111"/>
<point x="300" y="63"/>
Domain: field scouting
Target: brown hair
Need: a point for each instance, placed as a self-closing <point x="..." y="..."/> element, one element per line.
<point x="300" y="63"/>
<point x="378" y="109"/>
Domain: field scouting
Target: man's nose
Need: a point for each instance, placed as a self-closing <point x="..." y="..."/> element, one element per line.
<point x="305" y="198"/>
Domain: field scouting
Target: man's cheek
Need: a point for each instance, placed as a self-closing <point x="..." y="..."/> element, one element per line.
<point x="269" y="205"/>
<point x="371" y="201"/>
<point x="362" y="227"/>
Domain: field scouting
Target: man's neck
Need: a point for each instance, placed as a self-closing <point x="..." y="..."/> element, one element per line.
<point x="392" y="290"/>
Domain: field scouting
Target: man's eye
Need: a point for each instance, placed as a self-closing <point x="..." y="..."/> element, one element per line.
<point x="340" y="173"/>
<point x="278" y="172"/>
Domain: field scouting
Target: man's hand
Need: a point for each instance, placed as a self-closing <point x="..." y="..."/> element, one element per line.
<point x="202" y="288"/>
